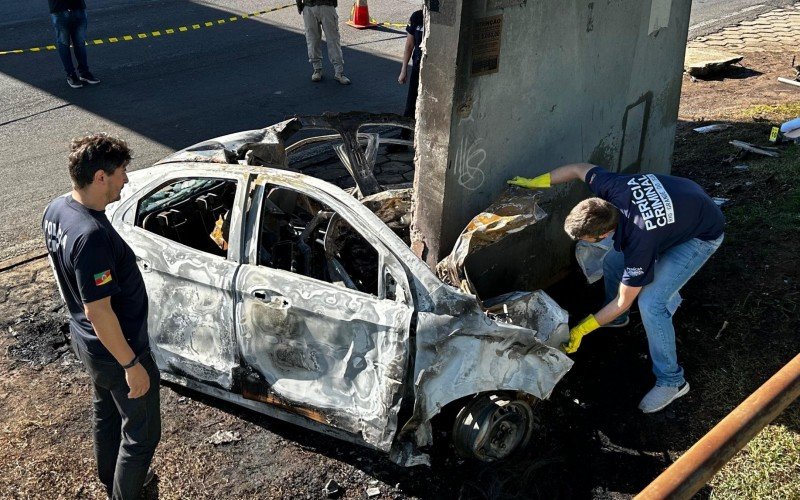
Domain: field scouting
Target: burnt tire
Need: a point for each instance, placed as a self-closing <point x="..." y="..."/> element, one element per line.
<point x="492" y="427"/>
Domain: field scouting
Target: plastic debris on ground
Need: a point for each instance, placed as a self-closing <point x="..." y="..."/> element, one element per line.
<point x="332" y="489"/>
<point x="224" y="437"/>
<point x="791" y="129"/>
<point x="746" y="146"/>
<point x="789" y="82"/>
<point x="712" y="128"/>
<point x="720" y="201"/>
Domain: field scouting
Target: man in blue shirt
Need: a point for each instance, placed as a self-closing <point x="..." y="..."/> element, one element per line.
<point x="104" y="292"/>
<point x="664" y="228"/>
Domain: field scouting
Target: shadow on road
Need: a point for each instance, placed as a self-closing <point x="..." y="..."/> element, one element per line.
<point x="189" y="86"/>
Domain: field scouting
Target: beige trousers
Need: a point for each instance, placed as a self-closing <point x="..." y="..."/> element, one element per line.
<point x="319" y="18"/>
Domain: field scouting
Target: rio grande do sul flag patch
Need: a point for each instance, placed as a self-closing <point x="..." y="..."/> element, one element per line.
<point x="103" y="278"/>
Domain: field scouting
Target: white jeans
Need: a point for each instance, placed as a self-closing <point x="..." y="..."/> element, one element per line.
<point x="326" y="18"/>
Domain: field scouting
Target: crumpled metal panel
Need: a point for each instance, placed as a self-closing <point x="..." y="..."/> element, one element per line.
<point x="513" y="211"/>
<point x="534" y="310"/>
<point x="343" y="353"/>
<point x="461" y="352"/>
<point x="258" y="147"/>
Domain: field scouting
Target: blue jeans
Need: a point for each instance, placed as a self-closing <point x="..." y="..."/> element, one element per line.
<point x="126" y="431"/>
<point x="70" y="27"/>
<point x="659" y="300"/>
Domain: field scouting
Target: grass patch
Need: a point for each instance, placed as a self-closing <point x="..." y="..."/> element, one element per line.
<point x="783" y="211"/>
<point x="784" y="111"/>
<point x="768" y="467"/>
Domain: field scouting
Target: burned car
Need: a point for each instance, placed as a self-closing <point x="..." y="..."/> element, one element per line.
<point x="280" y="278"/>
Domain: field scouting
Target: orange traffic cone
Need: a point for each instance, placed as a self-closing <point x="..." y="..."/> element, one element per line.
<point x="359" y="15"/>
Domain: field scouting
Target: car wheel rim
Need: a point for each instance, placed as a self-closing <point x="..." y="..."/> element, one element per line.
<point x="493" y="427"/>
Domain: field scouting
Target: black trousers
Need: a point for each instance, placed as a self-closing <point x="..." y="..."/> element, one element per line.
<point x="411" y="98"/>
<point x="126" y="431"/>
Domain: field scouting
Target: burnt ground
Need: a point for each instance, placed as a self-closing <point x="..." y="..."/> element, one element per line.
<point x="591" y="441"/>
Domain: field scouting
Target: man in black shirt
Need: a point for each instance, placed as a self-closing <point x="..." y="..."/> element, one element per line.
<point x="413" y="52"/>
<point x="106" y="298"/>
<point x="69" y="20"/>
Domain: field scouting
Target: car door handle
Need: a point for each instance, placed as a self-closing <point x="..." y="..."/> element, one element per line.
<point x="275" y="301"/>
<point x="146" y="266"/>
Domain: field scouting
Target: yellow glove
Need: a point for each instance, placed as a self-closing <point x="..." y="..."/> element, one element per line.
<point x="588" y="325"/>
<point x="542" y="181"/>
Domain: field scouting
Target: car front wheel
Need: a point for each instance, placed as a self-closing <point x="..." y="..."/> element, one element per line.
<point x="492" y="427"/>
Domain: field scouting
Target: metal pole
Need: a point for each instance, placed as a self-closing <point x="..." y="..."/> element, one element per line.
<point x="695" y="467"/>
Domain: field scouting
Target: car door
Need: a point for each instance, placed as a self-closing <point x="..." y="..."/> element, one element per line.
<point x="334" y="354"/>
<point x="190" y="289"/>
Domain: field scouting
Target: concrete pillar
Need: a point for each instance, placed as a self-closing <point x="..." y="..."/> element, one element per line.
<point x="515" y="87"/>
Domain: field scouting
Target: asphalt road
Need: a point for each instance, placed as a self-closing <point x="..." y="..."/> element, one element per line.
<point x="166" y="93"/>
<point x="709" y="16"/>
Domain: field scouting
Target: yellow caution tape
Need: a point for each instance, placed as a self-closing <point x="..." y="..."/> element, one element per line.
<point x="155" y="33"/>
<point x="387" y="24"/>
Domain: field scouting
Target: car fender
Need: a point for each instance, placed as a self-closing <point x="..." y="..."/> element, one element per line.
<point x="460" y="352"/>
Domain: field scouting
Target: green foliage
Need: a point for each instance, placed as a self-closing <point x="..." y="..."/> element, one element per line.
<point x="780" y="213"/>
<point x="767" y="468"/>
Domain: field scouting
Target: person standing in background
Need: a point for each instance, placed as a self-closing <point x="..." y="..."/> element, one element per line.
<point x="319" y="16"/>
<point x="413" y="53"/>
<point x="69" y="21"/>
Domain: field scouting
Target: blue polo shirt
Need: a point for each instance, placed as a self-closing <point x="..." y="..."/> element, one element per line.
<point x="91" y="262"/>
<point x="657" y="212"/>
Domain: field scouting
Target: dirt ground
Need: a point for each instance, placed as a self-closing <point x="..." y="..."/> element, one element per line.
<point x="736" y="328"/>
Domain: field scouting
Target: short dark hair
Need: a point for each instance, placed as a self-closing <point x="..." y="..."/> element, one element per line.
<point x="94" y="152"/>
<point x="593" y="218"/>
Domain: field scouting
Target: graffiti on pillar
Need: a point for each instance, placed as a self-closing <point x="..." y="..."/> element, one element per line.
<point x="468" y="164"/>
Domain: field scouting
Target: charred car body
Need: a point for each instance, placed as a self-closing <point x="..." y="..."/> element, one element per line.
<point x="286" y="294"/>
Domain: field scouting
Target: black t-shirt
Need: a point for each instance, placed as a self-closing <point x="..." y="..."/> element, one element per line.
<point x="92" y="262"/>
<point x="657" y="212"/>
<point x="415" y="27"/>
<point x="62" y="5"/>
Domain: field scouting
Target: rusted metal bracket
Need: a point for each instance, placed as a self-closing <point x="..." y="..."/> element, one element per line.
<point x="696" y="467"/>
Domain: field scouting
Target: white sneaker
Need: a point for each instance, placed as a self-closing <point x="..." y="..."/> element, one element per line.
<point x="660" y="397"/>
<point x="317" y="75"/>
<point x="618" y="322"/>
<point x="342" y="79"/>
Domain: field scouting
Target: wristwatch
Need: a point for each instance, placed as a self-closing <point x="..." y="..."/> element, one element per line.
<point x="132" y="363"/>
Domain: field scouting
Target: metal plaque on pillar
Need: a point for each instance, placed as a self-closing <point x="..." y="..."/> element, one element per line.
<point x="486" y="35"/>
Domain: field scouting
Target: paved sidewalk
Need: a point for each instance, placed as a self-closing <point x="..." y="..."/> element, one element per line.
<point x="775" y="30"/>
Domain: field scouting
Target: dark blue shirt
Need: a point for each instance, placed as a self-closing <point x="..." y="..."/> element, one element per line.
<point x="57" y="6"/>
<point x="415" y="28"/>
<point x="92" y="262"/>
<point x="657" y="212"/>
